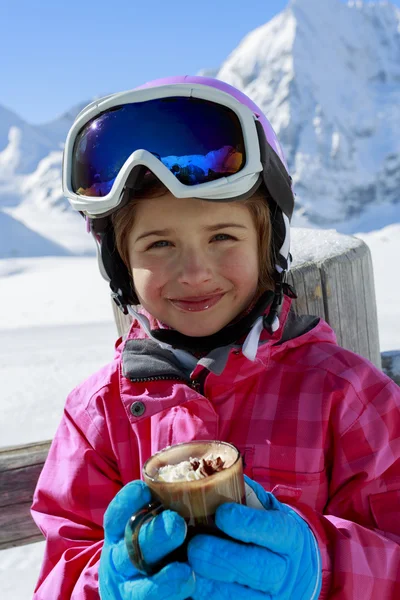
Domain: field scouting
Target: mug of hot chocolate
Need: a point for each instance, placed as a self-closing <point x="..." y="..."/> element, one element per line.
<point x="193" y="479"/>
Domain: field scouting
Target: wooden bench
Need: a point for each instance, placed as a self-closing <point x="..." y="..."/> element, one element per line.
<point x="20" y="467"/>
<point x="333" y="277"/>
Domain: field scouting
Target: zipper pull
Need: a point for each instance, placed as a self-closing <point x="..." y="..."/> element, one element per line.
<point x="196" y="385"/>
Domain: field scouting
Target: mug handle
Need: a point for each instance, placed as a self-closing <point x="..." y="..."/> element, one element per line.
<point x="132" y="530"/>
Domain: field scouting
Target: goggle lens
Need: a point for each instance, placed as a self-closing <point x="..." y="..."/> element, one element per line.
<point x="197" y="140"/>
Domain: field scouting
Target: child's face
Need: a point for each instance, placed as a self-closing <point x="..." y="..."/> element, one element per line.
<point x="198" y="269"/>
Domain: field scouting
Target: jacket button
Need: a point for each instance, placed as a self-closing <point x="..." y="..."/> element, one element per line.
<point x="137" y="409"/>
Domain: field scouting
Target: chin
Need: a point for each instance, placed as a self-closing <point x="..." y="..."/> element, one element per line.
<point x="200" y="330"/>
<point x="202" y="333"/>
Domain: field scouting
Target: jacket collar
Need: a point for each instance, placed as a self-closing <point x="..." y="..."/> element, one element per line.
<point x="144" y="357"/>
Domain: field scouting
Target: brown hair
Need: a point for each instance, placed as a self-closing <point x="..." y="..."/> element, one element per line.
<point x="123" y="220"/>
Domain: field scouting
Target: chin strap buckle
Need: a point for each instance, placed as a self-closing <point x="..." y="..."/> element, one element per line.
<point x="289" y="290"/>
<point x="118" y="298"/>
<point x="271" y="320"/>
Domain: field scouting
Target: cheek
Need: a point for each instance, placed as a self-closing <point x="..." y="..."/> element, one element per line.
<point x="151" y="264"/>
<point x="147" y="279"/>
<point x="239" y="264"/>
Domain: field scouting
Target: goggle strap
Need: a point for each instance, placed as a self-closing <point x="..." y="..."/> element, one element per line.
<point x="120" y="280"/>
<point x="276" y="178"/>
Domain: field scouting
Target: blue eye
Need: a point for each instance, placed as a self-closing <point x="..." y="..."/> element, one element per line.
<point x="159" y="244"/>
<point x="221" y="237"/>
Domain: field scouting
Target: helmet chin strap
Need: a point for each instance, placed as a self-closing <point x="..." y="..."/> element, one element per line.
<point x="270" y="322"/>
<point x="250" y="344"/>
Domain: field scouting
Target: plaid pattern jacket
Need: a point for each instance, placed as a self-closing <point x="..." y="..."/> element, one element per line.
<point x="319" y="426"/>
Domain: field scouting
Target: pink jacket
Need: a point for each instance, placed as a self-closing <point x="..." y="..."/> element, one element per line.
<point x="318" y="425"/>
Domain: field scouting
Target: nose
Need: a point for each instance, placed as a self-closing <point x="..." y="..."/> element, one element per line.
<point x="194" y="268"/>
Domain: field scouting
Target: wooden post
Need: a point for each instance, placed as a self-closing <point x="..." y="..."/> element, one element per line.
<point x="334" y="279"/>
<point x="123" y="322"/>
<point x="20" y="467"/>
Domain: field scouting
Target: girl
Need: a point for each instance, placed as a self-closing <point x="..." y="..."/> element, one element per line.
<point x="184" y="186"/>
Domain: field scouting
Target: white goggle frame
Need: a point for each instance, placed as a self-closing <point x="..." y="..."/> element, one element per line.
<point x="223" y="188"/>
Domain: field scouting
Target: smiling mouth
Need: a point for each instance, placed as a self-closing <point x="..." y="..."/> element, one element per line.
<point x="198" y="303"/>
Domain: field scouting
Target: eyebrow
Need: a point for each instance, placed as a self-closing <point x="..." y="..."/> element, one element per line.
<point x="161" y="232"/>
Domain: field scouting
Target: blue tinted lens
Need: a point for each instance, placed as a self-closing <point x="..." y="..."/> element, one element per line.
<point x="197" y="140"/>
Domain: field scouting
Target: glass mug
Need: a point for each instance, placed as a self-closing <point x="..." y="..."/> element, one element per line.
<point x="195" y="500"/>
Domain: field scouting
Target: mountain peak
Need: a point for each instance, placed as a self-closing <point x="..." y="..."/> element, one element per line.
<point x="327" y="75"/>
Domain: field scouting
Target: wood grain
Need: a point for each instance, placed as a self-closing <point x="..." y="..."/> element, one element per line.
<point x="20" y="467"/>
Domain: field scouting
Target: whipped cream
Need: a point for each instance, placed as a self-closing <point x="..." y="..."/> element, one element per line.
<point x="191" y="470"/>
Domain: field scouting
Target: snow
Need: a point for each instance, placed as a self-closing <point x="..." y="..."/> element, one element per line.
<point x="385" y="249"/>
<point x="44" y="364"/>
<point x="16" y="236"/>
<point x="19" y="570"/>
<point x="319" y="244"/>
<point x="61" y="291"/>
<point x="56" y="328"/>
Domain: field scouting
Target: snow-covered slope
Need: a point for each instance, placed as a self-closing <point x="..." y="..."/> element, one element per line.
<point x="15" y="236"/>
<point x="328" y="76"/>
<point x="30" y="190"/>
<point x="385" y="251"/>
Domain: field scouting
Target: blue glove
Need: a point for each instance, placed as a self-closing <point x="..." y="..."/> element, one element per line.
<point x="277" y="556"/>
<point x="118" y="578"/>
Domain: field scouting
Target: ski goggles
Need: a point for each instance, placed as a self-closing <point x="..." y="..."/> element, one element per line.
<point x="199" y="141"/>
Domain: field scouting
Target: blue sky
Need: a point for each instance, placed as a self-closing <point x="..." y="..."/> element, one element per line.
<point x="56" y="54"/>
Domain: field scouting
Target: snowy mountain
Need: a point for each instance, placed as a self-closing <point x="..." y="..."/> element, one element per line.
<point x="328" y="77"/>
<point x="31" y="198"/>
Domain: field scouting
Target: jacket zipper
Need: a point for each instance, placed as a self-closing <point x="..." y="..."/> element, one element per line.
<point x="196" y="384"/>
